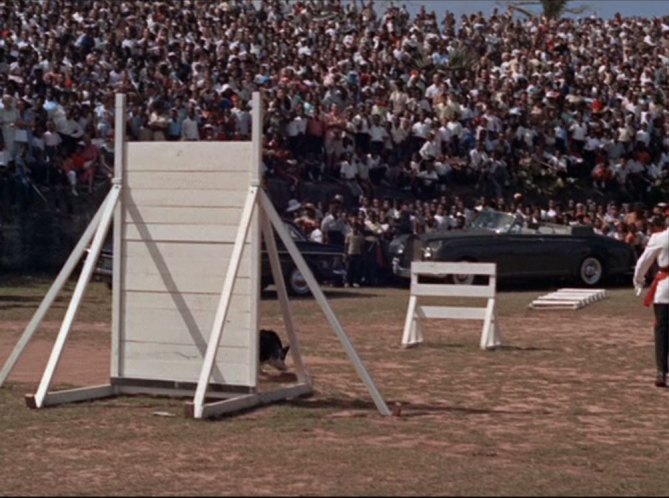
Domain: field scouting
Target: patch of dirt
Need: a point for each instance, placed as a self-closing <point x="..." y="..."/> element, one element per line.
<point x="567" y="406"/>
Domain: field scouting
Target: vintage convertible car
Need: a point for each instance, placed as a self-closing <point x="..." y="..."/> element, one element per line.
<point x="326" y="262"/>
<point x="520" y="251"/>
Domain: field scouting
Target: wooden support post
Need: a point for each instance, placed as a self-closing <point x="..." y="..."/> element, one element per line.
<point x="78" y="294"/>
<point x="72" y="395"/>
<point x="117" y="268"/>
<point x="409" y="336"/>
<point x="302" y="266"/>
<point x="53" y="292"/>
<point x="224" y="303"/>
<point x="282" y="294"/>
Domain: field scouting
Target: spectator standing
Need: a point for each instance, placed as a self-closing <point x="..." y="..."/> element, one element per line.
<point x="189" y="127"/>
<point x="8" y="118"/>
<point x="657" y="251"/>
<point x="354" y="246"/>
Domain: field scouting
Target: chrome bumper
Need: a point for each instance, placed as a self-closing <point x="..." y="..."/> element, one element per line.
<point x="399" y="270"/>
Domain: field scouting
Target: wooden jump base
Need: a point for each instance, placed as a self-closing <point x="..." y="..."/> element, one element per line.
<point x="568" y="299"/>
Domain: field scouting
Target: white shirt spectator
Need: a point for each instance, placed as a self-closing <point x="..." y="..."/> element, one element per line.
<point x="348" y="171"/>
<point x="52" y="139"/>
<point x="316" y="235"/>
<point x="399" y="134"/>
<point x="428" y="150"/>
<point x="377" y="133"/>
<point x="420" y="129"/>
<point x="654" y="171"/>
<point x="444" y="135"/>
<point x="578" y="131"/>
<point x="620" y="171"/>
<point x="360" y="124"/>
<point x="73" y="128"/>
<point x="297" y="126"/>
<point x="190" y="130"/>
<point x="558" y="163"/>
<point x="243" y="121"/>
<point x="592" y="144"/>
<point x="362" y="168"/>
<point x="635" y="166"/>
<point x="624" y="134"/>
<point x="478" y="159"/>
<point x="433" y="91"/>
<point x="455" y="128"/>
<point x="374" y="162"/>
<point x="643" y="136"/>
<point x="442" y="168"/>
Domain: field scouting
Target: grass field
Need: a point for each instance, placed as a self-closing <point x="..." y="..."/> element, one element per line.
<point x="567" y="407"/>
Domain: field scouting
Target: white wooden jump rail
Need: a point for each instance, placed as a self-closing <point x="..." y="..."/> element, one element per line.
<point x="568" y="299"/>
<point x="490" y="336"/>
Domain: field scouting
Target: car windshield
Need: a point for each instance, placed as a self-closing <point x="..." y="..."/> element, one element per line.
<point x="494" y="221"/>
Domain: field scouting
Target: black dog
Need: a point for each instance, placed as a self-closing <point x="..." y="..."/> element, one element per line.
<point x="271" y="350"/>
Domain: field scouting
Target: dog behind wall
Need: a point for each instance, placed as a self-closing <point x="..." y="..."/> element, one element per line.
<point x="272" y="350"/>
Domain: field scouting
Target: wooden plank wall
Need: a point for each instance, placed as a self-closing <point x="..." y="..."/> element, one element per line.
<point x="181" y="210"/>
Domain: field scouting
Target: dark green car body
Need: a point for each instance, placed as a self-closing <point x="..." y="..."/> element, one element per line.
<point x="545" y="251"/>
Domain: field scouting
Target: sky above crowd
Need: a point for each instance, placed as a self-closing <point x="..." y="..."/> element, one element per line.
<point x="601" y="8"/>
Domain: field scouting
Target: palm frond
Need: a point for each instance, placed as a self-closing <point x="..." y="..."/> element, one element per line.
<point x="551" y="9"/>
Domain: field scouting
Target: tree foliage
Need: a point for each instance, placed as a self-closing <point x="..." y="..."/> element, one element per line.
<point x="551" y="9"/>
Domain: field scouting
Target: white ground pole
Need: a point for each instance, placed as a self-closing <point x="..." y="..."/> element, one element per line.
<point x="301" y="264"/>
<point x="52" y="294"/>
<point x="82" y="283"/>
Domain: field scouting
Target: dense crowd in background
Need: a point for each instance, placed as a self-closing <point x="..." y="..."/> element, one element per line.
<point x="359" y="95"/>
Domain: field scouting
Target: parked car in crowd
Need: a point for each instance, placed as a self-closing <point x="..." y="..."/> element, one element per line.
<point x="520" y="251"/>
<point x="326" y="262"/>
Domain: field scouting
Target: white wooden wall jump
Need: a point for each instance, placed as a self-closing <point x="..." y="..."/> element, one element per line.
<point x="188" y="219"/>
<point x="491" y="336"/>
<point x="567" y="299"/>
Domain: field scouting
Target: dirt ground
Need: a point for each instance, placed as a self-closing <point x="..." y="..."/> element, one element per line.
<point x="566" y="407"/>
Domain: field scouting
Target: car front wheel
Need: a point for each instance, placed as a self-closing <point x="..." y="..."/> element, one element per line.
<point x="591" y="271"/>
<point x="462" y="279"/>
<point x="296" y="283"/>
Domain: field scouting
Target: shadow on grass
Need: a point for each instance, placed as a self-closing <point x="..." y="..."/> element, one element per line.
<point x="441" y="346"/>
<point x="329" y="294"/>
<point x="10" y="280"/>
<point x="409" y="410"/>
<point x="522" y="348"/>
<point x="14" y="298"/>
<point x="552" y="284"/>
<point x="429" y="345"/>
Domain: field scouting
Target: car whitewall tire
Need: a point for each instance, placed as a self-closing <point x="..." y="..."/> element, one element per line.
<point x="591" y="271"/>
<point x="460" y="279"/>
<point x="296" y="283"/>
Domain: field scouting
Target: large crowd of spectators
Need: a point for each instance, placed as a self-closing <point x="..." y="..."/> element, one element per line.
<point x="364" y="96"/>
